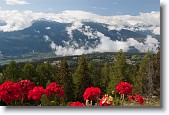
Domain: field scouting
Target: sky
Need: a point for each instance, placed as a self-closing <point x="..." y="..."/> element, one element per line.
<point x="100" y="7"/>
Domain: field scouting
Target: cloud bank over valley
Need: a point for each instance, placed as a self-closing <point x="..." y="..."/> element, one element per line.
<point x="13" y="20"/>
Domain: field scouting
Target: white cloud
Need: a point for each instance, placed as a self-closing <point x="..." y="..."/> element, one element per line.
<point x="76" y="25"/>
<point x="48" y="28"/>
<point x="16" y="2"/>
<point x="156" y="31"/>
<point x="150" y="44"/>
<point x="105" y="45"/>
<point x="18" y="20"/>
<point x="47" y="38"/>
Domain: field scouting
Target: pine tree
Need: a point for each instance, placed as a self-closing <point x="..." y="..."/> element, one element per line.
<point x="96" y="81"/>
<point x="56" y="74"/>
<point x="83" y="78"/>
<point x="137" y="80"/>
<point x="91" y="72"/>
<point x="29" y="72"/>
<point x="105" y="78"/>
<point x="120" y="70"/>
<point x="66" y="82"/>
<point x="12" y="72"/>
<point x="157" y="73"/>
<point x="112" y="83"/>
<point x="44" y="74"/>
<point x="144" y="71"/>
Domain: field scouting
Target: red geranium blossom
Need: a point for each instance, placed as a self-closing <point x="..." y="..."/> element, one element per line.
<point x="54" y="88"/>
<point x="124" y="88"/>
<point x="106" y="100"/>
<point x="137" y="98"/>
<point x="36" y="93"/>
<point x="76" y="104"/>
<point x="91" y="93"/>
<point x="10" y="91"/>
<point x="130" y="98"/>
<point x="25" y="86"/>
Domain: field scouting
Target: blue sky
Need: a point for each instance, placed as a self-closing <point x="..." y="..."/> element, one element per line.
<point x="101" y="7"/>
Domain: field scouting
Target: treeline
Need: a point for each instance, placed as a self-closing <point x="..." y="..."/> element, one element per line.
<point x="144" y="76"/>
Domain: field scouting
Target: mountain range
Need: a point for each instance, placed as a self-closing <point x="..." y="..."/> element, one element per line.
<point x="77" y="32"/>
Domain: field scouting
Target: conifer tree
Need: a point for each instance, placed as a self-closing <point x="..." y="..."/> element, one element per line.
<point x="144" y="71"/>
<point x="83" y="78"/>
<point x="105" y="78"/>
<point x="44" y="74"/>
<point x="119" y="72"/>
<point x="112" y="83"/>
<point x="56" y="74"/>
<point x="29" y="72"/>
<point x="96" y="81"/>
<point x="137" y="80"/>
<point x="66" y="82"/>
<point x="91" y="72"/>
<point x="12" y="72"/>
<point x="157" y="73"/>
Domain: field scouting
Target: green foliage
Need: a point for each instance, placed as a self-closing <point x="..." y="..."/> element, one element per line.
<point x="103" y="74"/>
<point x="44" y="73"/>
<point x="45" y="101"/>
<point x="83" y="78"/>
<point x="156" y="80"/>
<point x="120" y="67"/>
<point x="96" y="77"/>
<point x="105" y="77"/>
<point x="66" y="81"/>
<point x="143" y="72"/>
<point x="2" y="78"/>
<point x="49" y="102"/>
<point x="12" y="72"/>
<point x="91" y="71"/>
<point x="29" y="72"/>
<point x="119" y="72"/>
<point x="137" y="80"/>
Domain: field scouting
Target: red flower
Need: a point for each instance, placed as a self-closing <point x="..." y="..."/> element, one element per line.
<point x="36" y="93"/>
<point x="130" y="98"/>
<point x="106" y="101"/>
<point x="91" y="93"/>
<point x="25" y="86"/>
<point x="54" y="88"/>
<point x="10" y="91"/>
<point x="137" y="98"/>
<point x="76" y="104"/>
<point x="124" y="88"/>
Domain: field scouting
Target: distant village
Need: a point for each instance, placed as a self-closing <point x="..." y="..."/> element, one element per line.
<point x="95" y="58"/>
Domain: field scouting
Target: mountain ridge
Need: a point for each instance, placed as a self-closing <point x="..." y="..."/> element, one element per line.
<point x="78" y="32"/>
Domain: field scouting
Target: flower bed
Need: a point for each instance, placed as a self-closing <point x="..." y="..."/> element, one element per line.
<point x="25" y="92"/>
